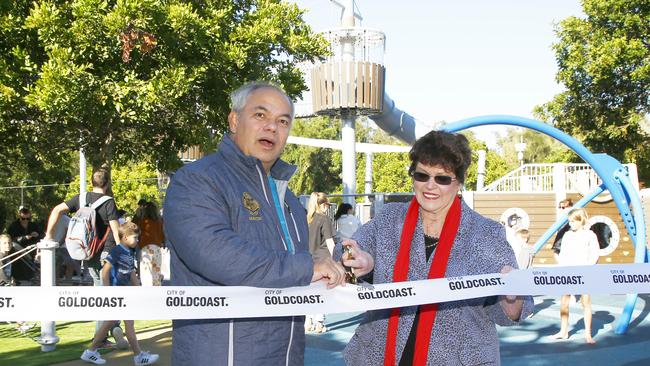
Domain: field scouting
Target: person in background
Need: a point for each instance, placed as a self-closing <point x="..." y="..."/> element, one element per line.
<point x="346" y="223"/>
<point x="24" y="232"/>
<point x="6" y="248"/>
<point x="321" y="235"/>
<point x="6" y="273"/>
<point x="152" y="239"/>
<point x="231" y="220"/>
<point x="106" y="226"/>
<point x="123" y="216"/>
<point x="435" y="235"/>
<point x="564" y="206"/>
<point x="524" y="253"/>
<point x="579" y="248"/>
<point x="321" y="245"/>
<point x="119" y="270"/>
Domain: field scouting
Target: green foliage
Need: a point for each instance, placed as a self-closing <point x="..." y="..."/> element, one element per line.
<point x="495" y="165"/>
<point x="604" y="64"/>
<point x="390" y="173"/>
<point x="21" y="349"/>
<point x="319" y="170"/>
<point x="540" y="148"/>
<point x="140" y="79"/>
<point x="389" y="170"/>
<point x="130" y="183"/>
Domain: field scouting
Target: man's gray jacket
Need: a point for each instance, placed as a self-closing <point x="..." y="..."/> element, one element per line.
<point x="223" y="229"/>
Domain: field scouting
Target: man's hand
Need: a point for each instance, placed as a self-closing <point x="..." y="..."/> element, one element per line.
<point x="361" y="262"/>
<point x="326" y="268"/>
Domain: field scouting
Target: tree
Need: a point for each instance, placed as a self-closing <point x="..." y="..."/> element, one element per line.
<point x="604" y="63"/>
<point x="142" y="79"/>
<point x="540" y="148"/>
<point x="319" y="170"/>
<point x="130" y="183"/>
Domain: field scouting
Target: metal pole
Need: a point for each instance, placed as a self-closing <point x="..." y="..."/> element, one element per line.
<point x="480" y="179"/>
<point x="349" y="168"/>
<point x="82" y="178"/>
<point x="368" y="180"/>
<point x="48" y="339"/>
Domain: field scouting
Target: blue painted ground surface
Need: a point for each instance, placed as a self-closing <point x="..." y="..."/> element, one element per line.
<point x="530" y="344"/>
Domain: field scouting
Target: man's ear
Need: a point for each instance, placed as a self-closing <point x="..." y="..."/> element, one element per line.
<point x="232" y="122"/>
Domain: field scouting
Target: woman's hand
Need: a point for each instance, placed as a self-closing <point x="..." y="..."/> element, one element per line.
<point x="511" y="304"/>
<point x="356" y="258"/>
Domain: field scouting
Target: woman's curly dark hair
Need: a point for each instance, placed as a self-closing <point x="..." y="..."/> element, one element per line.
<point x="446" y="149"/>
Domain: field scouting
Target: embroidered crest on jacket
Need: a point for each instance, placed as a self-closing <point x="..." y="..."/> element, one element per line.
<point x="252" y="206"/>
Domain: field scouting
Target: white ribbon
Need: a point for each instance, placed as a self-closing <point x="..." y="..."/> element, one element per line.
<point x="187" y="302"/>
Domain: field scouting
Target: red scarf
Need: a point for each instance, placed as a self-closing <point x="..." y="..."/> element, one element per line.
<point x="437" y="270"/>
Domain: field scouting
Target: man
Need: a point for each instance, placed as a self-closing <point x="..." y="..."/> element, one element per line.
<point x="106" y="220"/>
<point x="230" y="220"/>
<point x="564" y="206"/>
<point x="24" y="232"/>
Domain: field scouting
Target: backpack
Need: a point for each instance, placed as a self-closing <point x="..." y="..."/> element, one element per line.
<point x="81" y="239"/>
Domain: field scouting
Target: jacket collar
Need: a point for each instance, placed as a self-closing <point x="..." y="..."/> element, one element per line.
<point x="281" y="170"/>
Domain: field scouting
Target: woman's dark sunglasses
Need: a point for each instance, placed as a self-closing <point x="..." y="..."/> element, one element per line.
<point x="443" y="180"/>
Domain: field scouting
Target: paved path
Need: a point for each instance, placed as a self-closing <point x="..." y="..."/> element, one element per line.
<point x="527" y="345"/>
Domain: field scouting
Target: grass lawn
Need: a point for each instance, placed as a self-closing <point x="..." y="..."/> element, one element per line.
<point x="21" y="349"/>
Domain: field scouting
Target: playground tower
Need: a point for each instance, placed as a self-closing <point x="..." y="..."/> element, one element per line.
<point x="350" y="82"/>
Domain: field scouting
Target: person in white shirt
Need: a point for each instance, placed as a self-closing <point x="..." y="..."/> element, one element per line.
<point x="579" y="248"/>
<point x="346" y="223"/>
<point x="523" y="251"/>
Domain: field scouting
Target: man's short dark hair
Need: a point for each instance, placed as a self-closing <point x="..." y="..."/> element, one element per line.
<point x="100" y="178"/>
<point x="24" y="211"/>
<point x="448" y="150"/>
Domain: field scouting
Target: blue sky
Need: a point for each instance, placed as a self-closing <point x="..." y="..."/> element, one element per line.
<point x="449" y="60"/>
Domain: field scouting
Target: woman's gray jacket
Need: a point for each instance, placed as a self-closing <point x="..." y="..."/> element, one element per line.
<point x="464" y="332"/>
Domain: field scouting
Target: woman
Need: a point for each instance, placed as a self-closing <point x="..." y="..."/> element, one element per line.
<point x="580" y="248"/>
<point x="151" y="240"/>
<point x="321" y="237"/>
<point x="346" y="223"/>
<point x="435" y="235"/>
<point x="321" y="244"/>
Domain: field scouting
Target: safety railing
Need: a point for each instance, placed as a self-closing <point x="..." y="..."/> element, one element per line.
<point x="540" y="178"/>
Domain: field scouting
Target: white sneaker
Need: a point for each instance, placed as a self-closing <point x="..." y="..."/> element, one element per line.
<point x="145" y="358"/>
<point x="93" y="357"/>
<point x="120" y="341"/>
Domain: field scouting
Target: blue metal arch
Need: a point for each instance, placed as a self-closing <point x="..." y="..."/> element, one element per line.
<point x="615" y="179"/>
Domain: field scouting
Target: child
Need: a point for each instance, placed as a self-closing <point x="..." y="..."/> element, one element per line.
<point x="119" y="270"/>
<point x="5" y="268"/>
<point x="579" y="248"/>
<point x="525" y="252"/>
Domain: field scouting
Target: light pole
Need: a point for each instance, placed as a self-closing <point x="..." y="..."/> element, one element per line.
<point x="350" y="83"/>
<point x="22" y="194"/>
<point x="520" y="148"/>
